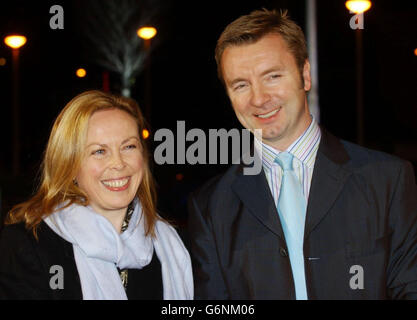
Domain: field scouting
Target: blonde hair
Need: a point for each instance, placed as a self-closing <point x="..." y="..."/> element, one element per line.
<point x="62" y="160"/>
<point x="250" y="28"/>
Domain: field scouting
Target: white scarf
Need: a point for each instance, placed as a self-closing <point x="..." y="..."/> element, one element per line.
<point x="99" y="248"/>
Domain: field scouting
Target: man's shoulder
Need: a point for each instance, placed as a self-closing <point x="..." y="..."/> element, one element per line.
<point x="362" y="157"/>
<point x="219" y="184"/>
<point x="376" y="167"/>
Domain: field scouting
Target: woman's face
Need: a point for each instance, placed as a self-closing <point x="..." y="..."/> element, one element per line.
<point x="112" y="163"/>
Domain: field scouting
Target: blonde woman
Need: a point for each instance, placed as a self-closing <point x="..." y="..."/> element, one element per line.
<point x="91" y="231"/>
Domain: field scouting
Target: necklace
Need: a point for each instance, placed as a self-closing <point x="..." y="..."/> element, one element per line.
<point x="124" y="273"/>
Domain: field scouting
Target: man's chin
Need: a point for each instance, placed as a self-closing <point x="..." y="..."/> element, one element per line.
<point x="272" y="135"/>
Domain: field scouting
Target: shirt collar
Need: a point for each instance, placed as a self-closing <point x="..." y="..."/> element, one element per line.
<point x="304" y="148"/>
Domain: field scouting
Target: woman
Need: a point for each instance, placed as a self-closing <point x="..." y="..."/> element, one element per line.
<point x="91" y="231"/>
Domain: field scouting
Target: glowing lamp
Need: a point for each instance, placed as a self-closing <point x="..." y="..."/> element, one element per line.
<point x="15" y="41"/>
<point x="145" y="134"/>
<point x="358" y="6"/>
<point x="81" y="73"/>
<point x="146" y="33"/>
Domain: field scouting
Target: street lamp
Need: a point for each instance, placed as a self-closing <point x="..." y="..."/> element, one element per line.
<point x="15" y="42"/>
<point x="359" y="7"/>
<point x="147" y="33"/>
<point x="145" y="134"/>
<point x="81" y="73"/>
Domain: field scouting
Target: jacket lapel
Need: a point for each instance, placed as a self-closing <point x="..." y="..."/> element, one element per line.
<point x="329" y="177"/>
<point x="254" y="192"/>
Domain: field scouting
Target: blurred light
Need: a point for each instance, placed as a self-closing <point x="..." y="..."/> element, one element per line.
<point x="145" y="134"/>
<point x="15" y="41"/>
<point x="179" y="176"/>
<point x="81" y="73"/>
<point x="146" y="32"/>
<point x="358" y="6"/>
<point x="2" y="62"/>
<point x="415" y="52"/>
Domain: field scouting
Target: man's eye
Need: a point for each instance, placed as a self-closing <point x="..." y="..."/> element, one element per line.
<point x="239" y="87"/>
<point x="275" y="76"/>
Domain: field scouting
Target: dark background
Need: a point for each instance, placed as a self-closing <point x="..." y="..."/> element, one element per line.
<point x="185" y="85"/>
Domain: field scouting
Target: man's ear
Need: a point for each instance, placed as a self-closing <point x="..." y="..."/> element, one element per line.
<point x="307" y="76"/>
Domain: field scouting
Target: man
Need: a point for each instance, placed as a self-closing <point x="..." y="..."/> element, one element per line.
<point x="325" y="219"/>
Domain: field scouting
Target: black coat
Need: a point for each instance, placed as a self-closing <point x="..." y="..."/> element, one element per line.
<point x="25" y="267"/>
<point x="362" y="211"/>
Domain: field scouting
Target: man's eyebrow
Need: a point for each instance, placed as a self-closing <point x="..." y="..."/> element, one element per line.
<point x="269" y="70"/>
<point x="233" y="82"/>
<point x="272" y="69"/>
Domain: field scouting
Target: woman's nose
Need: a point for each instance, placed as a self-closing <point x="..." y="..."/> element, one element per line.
<point x="117" y="161"/>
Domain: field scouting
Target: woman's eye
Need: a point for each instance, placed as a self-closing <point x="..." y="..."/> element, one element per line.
<point x="98" y="152"/>
<point x="131" y="146"/>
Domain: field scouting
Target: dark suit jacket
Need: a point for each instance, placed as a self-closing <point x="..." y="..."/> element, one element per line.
<point x="362" y="211"/>
<point x="25" y="267"/>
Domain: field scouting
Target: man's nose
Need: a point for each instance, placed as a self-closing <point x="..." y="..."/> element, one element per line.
<point x="259" y="95"/>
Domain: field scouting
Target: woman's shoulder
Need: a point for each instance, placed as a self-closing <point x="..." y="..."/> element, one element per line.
<point x="28" y="264"/>
<point x="21" y="270"/>
<point x="18" y="241"/>
<point x="15" y="237"/>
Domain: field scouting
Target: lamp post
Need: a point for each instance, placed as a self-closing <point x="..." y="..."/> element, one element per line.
<point x="147" y="33"/>
<point x="15" y="42"/>
<point x="359" y="7"/>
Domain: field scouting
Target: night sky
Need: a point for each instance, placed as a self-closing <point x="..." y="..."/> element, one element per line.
<point x="185" y="85"/>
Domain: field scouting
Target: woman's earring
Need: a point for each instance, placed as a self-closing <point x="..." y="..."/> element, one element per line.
<point x="75" y="182"/>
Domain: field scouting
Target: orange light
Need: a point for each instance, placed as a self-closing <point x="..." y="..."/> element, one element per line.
<point x="2" y="62"/>
<point x="81" y="73"/>
<point x="15" y="41"/>
<point x="146" y="32"/>
<point x="358" y="6"/>
<point x="145" y="134"/>
<point x="415" y="52"/>
<point x="179" y="176"/>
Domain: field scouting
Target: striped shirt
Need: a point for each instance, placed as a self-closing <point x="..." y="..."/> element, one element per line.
<point x="304" y="150"/>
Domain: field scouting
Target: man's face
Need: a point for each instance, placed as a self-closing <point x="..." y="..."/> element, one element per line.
<point x="266" y="90"/>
